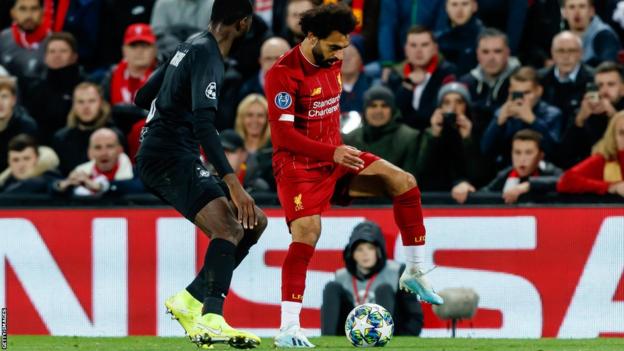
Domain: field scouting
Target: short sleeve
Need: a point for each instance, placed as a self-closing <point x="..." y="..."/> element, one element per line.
<point x="206" y="71"/>
<point x="280" y="90"/>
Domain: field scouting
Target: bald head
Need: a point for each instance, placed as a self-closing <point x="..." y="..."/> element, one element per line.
<point x="566" y="51"/>
<point x="271" y="50"/>
<point x="104" y="149"/>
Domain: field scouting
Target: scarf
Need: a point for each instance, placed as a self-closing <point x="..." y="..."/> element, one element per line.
<point x="431" y="67"/>
<point x="613" y="170"/>
<point x="110" y="175"/>
<point x="514" y="179"/>
<point x="124" y="87"/>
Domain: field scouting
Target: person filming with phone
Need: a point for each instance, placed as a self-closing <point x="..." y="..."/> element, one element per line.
<point x="523" y="109"/>
<point x="602" y="99"/>
<point x="451" y="152"/>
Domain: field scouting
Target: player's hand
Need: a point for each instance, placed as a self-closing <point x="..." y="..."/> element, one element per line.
<point x="245" y="204"/>
<point x="348" y="156"/>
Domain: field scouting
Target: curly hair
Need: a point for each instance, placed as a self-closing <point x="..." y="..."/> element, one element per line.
<point x="323" y="20"/>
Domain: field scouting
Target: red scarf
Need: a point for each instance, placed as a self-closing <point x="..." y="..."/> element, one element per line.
<point x="431" y="67"/>
<point x="33" y="39"/>
<point x="124" y="87"/>
<point x="61" y="12"/>
<point x="514" y="174"/>
<point x="110" y="175"/>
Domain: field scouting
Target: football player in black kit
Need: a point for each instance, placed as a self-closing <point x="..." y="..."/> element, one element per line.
<point x="183" y="96"/>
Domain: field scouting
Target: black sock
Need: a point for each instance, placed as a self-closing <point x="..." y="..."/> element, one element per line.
<point x="218" y="268"/>
<point x="242" y="250"/>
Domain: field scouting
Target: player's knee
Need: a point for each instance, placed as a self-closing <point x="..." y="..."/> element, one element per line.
<point x="409" y="180"/>
<point x="404" y="181"/>
<point x="233" y="232"/>
<point x="262" y="223"/>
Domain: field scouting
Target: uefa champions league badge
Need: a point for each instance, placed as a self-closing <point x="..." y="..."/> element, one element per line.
<point x="283" y="100"/>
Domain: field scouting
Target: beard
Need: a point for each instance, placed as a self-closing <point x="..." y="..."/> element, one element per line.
<point x="320" y="59"/>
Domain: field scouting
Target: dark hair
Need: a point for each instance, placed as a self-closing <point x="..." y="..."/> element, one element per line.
<point x="528" y="135"/>
<point x="526" y="74"/>
<point x="492" y="33"/>
<point x="21" y="142"/>
<point x="608" y="67"/>
<point x="323" y="20"/>
<point x="589" y="2"/>
<point x="230" y="11"/>
<point x="418" y="29"/>
<point x="63" y="36"/>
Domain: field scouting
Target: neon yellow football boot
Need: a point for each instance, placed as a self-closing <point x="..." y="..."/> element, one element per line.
<point x="184" y="308"/>
<point x="213" y="329"/>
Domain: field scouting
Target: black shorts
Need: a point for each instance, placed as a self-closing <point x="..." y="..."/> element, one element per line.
<point x="183" y="182"/>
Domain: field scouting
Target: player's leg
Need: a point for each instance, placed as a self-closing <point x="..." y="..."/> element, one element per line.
<point x="250" y="236"/>
<point x="217" y="218"/>
<point x="383" y="178"/>
<point x="305" y="233"/>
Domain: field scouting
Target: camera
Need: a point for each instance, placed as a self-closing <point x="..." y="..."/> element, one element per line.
<point x="591" y="89"/>
<point x="517" y="95"/>
<point x="449" y="120"/>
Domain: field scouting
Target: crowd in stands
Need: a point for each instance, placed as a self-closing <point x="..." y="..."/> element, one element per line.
<point x="504" y="96"/>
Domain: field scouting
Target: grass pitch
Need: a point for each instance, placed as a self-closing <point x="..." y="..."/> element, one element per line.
<point x="145" y="343"/>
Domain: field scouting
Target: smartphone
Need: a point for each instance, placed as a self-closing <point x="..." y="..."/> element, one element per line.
<point x="591" y="89"/>
<point x="517" y="95"/>
<point x="449" y="120"/>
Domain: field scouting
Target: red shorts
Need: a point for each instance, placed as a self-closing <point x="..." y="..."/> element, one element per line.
<point x="307" y="193"/>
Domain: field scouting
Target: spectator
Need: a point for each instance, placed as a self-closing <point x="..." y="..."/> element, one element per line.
<point x="418" y="80"/>
<point x="383" y="134"/>
<point x="82" y="19"/>
<point x="451" y="148"/>
<point x="252" y="124"/>
<point x="457" y="41"/>
<point x="565" y="82"/>
<point x="603" y="172"/>
<point x="523" y="109"/>
<point x="49" y="98"/>
<point x="20" y="45"/>
<point x="369" y="277"/>
<point x="528" y="174"/>
<point x="30" y="171"/>
<point x="271" y="50"/>
<point x="89" y="112"/>
<point x="395" y="19"/>
<point x="597" y="108"/>
<point x="234" y="148"/>
<point x="14" y="119"/>
<point x="108" y="171"/>
<point x="354" y="81"/>
<point x="489" y="81"/>
<point x="292" y="32"/>
<point x="600" y="42"/>
<point x="138" y="62"/>
<point x="129" y="75"/>
<point x="175" y="20"/>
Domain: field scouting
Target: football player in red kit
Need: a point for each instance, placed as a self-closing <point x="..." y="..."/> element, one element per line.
<point x="313" y="168"/>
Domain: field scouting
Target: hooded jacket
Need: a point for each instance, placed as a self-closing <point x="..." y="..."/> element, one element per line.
<point x="385" y="271"/>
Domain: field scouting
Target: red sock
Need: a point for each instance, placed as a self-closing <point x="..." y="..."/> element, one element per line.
<point x="294" y="271"/>
<point x="408" y="217"/>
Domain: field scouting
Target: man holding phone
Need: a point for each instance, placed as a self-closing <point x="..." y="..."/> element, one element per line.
<point x="523" y="109"/>
<point x="601" y="101"/>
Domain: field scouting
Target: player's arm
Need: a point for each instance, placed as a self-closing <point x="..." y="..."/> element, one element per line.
<point x="205" y="85"/>
<point x="149" y="91"/>
<point x="281" y="93"/>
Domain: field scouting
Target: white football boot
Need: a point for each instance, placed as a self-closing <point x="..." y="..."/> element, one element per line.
<point x="413" y="280"/>
<point x="292" y="337"/>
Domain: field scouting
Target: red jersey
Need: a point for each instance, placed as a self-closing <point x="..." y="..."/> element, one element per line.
<point x="304" y="114"/>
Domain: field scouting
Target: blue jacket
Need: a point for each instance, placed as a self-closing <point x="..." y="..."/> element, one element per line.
<point x="458" y="44"/>
<point x="395" y="19"/>
<point x="496" y="140"/>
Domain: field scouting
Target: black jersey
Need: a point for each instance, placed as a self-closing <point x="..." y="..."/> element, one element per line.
<point x="192" y="81"/>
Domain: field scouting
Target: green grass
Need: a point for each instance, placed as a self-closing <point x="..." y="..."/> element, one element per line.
<point x="144" y="343"/>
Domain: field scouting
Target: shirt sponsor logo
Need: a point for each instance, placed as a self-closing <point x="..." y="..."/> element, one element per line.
<point x="325" y="107"/>
<point x="283" y="100"/>
<point x="211" y="91"/>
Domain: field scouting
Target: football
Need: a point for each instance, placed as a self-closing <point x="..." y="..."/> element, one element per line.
<point x="369" y="325"/>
